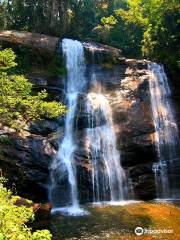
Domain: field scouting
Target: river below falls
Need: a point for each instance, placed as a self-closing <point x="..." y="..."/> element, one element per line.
<point x="119" y="222"/>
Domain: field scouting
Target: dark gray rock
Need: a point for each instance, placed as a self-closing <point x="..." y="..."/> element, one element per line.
<point x="44" y="127"/>
<point x="25" y="162"/>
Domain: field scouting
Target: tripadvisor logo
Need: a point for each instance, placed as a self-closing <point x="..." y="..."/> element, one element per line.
<point x="139" y="231"/>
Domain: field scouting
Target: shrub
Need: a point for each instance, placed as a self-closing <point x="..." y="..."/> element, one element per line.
<point x="13" y="219"/>
<point x="18" y="106"/>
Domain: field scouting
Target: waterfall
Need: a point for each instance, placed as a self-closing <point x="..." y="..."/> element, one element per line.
<point x="166" y="136"/>
<point x="64" y="162"/>
<point x="108" y="177"/>
<point x="107" y="174"/>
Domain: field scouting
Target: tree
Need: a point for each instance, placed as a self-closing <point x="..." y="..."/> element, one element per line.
<point x="144" y="28"/>
<point x="114" y="30"/>
<point x="18" y="107"/>
<point x="141" y="28"/>
<point x="159" y="21"/>
<point x="104" y="29"/>
<point x="13" y="219"/>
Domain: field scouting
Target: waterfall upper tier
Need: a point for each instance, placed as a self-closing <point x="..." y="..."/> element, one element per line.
<point x="64" y="161"/>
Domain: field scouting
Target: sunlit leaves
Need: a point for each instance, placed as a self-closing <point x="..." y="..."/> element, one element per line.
<point x="158" y="20"/>
<point x="18" y="107"/>
<point x="13" y="219"/>
<point x="7" y="58"/>
<point x="111" y="20"/>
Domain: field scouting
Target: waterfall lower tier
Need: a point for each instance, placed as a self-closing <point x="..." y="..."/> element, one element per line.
<point x="166" y="136"/>
<point x="108" y="178"/>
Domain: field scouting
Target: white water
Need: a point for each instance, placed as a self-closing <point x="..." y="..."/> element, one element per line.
<point x="166" y="137"/>
<point x="109" y="181"/>
<point x="74" y="55"/>
<point x="108" y="177"/>
<point x="118" y="203"/>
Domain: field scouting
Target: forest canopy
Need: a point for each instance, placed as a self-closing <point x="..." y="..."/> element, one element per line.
<point x="141" y="28"/>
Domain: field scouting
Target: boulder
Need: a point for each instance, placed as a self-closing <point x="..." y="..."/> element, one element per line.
<point x="34" y="40"/>
<point x="44" y="127"/>
<point x="96" y="52"/>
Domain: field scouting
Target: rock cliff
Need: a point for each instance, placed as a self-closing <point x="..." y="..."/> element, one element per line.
<point x="25" y="157"/>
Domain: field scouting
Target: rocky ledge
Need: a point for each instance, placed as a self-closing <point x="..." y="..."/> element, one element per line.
<point x="25" y="157"/>
<point x="53" y="44"/>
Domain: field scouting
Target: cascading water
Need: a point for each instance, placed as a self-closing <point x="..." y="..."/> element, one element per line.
<point x="108" y="176"/>
<point x="166" y="137"/>
<point x="109" y="180"/>
<point x="64" y="162"/>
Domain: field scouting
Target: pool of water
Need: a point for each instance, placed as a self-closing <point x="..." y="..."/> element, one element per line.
<point x="118" y="222"/>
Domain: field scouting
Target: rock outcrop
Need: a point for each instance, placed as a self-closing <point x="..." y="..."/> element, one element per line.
<point x="25" y="158"/>
<point x="34" y="40"/>
<point x="53" y="44"/>
<point x="126" y="87"/>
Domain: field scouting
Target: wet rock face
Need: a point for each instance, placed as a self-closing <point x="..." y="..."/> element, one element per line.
<point x="96" y="52"/>
<point x="26" y="160"/>
<point x="127" y="90"/>
<point x="135" y="129"/>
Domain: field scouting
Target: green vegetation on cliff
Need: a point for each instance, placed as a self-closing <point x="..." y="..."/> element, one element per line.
<point x="18" y="105"/>
<point x="141" y="28"/>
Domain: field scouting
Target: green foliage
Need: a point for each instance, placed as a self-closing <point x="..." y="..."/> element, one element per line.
<point x="39" y="62"/>
<point x="13" y="219"/>
<point x="144" y="28"/>
<point x="114" y="30"/>
<point x="29" y="60"/>
<point x="41" y="235"/>
<point x="104" y="29"/>
<point x="141" y="28"/>
<point x="6" y="140"/>
<point x="18" y="106"/>
<point x="158" y="21"/>
<point x="56" y="67"/>
<point x="111" y="20"/>
<point x="7" y="58"/>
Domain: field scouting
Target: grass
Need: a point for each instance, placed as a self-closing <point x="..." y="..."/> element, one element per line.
<point x="119" y="223"/>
